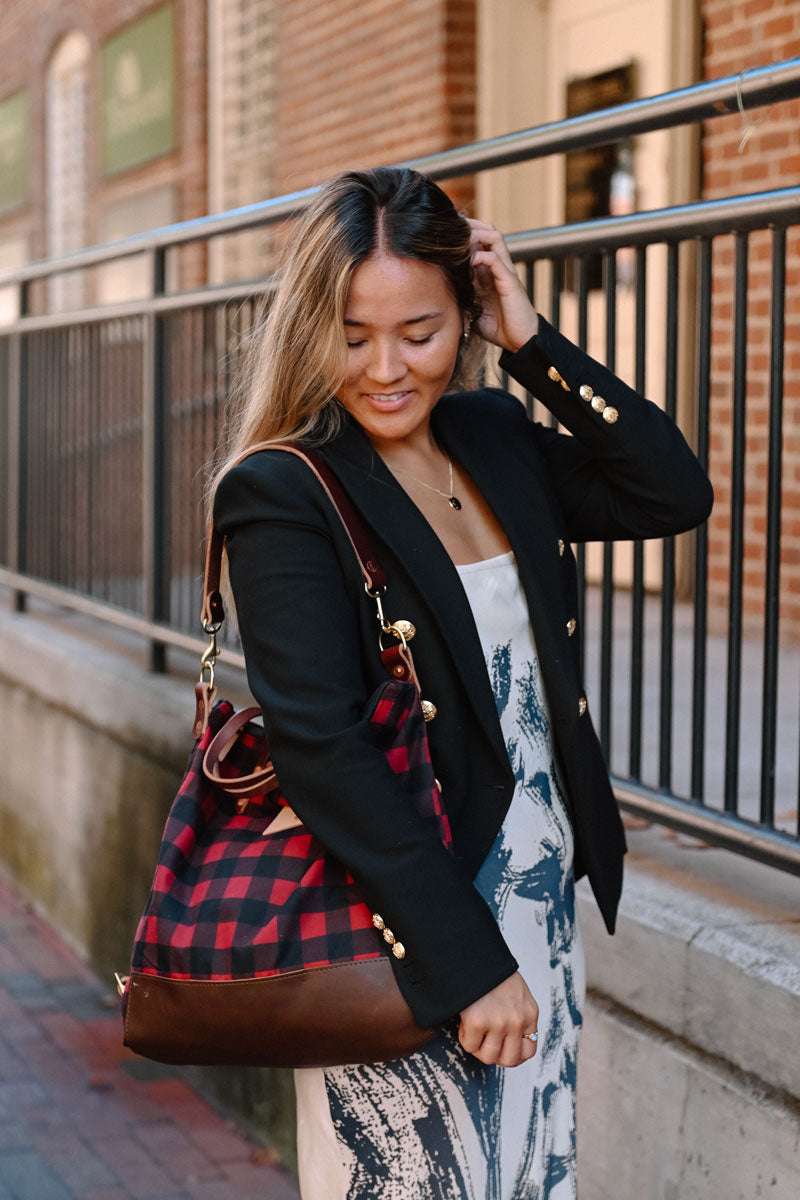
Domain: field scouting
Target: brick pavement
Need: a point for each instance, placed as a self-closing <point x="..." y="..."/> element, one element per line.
<point x="81" y="1118"/>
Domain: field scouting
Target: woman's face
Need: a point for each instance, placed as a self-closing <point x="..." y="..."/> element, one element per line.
<point x="403" y="327"/>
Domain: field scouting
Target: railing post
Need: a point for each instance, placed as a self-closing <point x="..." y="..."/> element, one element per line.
<point x="667" y="654"/>
<point x="155" y="428"/>
<point x="607" y="585"/>
<point x="772" y="574"/>
<point x="636" y="693"/>
<point x="733" y="683"/>
<point x="700" y="648"/>
<point x="18" y="448"/>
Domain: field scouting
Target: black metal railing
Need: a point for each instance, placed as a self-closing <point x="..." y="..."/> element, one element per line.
<point x="670" y="736"/>
<point x="109" y="414"/>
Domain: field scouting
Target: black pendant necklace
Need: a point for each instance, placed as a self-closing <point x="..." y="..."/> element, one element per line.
<point x="451" y="499"/>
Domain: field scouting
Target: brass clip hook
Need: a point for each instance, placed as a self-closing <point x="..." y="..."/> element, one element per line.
<point x="376" y="596"/>
<point x="210" y="656"/>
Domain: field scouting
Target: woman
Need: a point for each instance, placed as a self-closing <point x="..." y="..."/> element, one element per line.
<point x="386" y="296"/>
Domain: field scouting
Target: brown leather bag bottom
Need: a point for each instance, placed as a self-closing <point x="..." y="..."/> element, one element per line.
<point x="322" y="1017"/>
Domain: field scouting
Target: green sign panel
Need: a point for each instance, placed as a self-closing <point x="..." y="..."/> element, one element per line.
<point x="13" y="151"/>
<point x="138" y="74"/>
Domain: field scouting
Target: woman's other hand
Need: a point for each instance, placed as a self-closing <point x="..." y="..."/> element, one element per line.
<point x="508" y="319"/>
<point x="494" y="1027"/>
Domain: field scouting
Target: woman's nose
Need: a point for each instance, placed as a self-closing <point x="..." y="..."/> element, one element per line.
<point x="386" y="363"/>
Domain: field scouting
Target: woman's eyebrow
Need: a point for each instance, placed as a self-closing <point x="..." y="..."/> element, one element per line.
<point x="411" y="320"/>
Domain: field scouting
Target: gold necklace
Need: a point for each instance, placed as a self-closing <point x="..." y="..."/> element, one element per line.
<point x="452" y="500"/>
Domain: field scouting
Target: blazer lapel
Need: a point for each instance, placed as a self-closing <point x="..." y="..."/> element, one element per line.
<point x="388" y="509"/>
<point x="507" y="476"/>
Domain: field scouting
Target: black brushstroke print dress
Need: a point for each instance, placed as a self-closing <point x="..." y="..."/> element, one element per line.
<point x="439" y="1125"/>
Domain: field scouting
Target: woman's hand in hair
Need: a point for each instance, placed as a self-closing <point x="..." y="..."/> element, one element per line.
<point x="508" y="319"/>
<point x="494" y="1027"/>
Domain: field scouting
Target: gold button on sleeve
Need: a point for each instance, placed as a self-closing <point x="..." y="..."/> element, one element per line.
<point x="582" y="706"/>
<point x="560" y="547"/>
<point x="571" y="624"/>
<point x="598" y="404"/>
<point x="399" y="950"/>
<point x="377" y="920"/>
<point x="388" y="937"/>
<point x="429" y="709"/>
<point x="585" y="392"/>
<point x="610" y="415"/>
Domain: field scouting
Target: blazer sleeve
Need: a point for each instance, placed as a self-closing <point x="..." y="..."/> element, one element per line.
<point x="299" y="625"/>
<point x="627" y="471"/>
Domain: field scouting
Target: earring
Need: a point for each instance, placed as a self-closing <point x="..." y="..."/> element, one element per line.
<point x="466" y="332"/>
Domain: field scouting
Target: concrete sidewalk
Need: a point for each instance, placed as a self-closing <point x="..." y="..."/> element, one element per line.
<point x="81" y="1118"/>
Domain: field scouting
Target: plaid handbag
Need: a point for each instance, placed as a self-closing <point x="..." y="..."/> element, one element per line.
<point x="255" y="946"/>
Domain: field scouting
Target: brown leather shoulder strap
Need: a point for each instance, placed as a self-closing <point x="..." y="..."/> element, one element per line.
<point x="213" y="613"/>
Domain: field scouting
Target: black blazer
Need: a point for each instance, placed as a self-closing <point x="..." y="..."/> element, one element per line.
<point x="310" y="640"/>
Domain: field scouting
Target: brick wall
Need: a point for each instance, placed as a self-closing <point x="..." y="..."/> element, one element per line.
<point x="361" y="84"/>
<point x="740" y="34"/>
<point x="29" y="34"/>
<point x="357" y="84"/>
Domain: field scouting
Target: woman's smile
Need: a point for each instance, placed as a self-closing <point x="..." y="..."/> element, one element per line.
<point x="389" y="402"/>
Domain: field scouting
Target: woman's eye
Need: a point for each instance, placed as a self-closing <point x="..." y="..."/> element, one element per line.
<point x="411" y="341"/>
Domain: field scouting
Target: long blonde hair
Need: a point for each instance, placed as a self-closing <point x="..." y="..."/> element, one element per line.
<point x="295" y="361"/>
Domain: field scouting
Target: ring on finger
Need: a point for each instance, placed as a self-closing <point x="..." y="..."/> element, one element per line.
<point x="532" y="1037"/>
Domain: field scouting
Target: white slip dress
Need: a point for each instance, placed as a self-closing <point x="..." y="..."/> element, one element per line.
<point x="439" y="1124"/>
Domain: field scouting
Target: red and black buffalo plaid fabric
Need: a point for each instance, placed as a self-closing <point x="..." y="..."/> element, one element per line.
<point x="229" y="903"/>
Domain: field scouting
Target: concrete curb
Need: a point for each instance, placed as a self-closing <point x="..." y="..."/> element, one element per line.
<point x="718" y="967"/>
